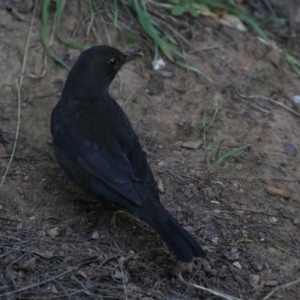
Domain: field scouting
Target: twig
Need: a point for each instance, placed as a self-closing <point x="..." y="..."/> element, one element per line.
<point x="271" y="100"/>
<point x="206" y="289"/>
<point x="123" y="280"/>
<point x="50" y="279"/>
<point x="281" y="287"/>
<point x="176" y="33"/>
<point x="214" y="47"/>
<point x="257" y="107"/>
<point x="19" y="83"/>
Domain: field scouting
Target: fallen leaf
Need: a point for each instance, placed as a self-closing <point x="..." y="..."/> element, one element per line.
<point x="274" y="191"/>
<point x="54" y="232"/>
<point x="82" y="274"/>
<point x="232" y="22"/>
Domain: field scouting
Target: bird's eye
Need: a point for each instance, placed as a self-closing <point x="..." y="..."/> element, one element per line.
<point x="114" y="61"/>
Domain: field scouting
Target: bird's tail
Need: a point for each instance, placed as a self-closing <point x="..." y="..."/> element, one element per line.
<point x="172" y="233"/>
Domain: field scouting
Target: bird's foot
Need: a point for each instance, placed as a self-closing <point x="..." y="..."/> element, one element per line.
<point x="91" y="232"/>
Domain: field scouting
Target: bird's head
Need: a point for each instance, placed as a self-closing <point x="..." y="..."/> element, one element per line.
<point x="97" y="66"/>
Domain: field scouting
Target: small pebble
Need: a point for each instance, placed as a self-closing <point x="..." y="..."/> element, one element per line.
<point x="273" y="220"/>
<point x="231" y="256"/>
<point x="166" y="74"/>
<point x="95" y="235"/>
<point x="52" y="289"/>
<point x="162" y="164"/>
<point x="290" y="149"/>
<point x="296" y="221"/>
<point x="237" y="265"/>
<point x="253" y="280"/>
<point x="215" y="240"/>
<point x="160" y="185"/>
<point x="54" y="232"/>
<point x="192" y="145"/>
<point x="239" y="167"/>
<point x="121" y="259"/>
<point x="258" y="266"/>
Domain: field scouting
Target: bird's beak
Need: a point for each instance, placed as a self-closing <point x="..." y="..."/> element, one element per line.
<point x="132" y="55"/>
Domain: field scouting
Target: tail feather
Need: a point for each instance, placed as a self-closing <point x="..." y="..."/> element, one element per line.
<point x="174" y="235"/>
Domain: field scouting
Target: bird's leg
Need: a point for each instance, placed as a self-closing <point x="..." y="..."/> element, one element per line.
<point x="93" y="228"/>
<point x="92" y="204"/>
<point x="98" y="205"/>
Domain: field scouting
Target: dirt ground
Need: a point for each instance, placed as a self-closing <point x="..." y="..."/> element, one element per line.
<point x="252" y="238"/>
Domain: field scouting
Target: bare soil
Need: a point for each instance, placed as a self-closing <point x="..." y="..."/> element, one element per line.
<point x="252" y="238"/>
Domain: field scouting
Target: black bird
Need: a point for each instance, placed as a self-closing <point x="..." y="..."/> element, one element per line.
<point x="99" y="151"/>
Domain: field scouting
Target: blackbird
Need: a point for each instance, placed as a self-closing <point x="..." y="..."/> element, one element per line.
<point x="97" y="148"/>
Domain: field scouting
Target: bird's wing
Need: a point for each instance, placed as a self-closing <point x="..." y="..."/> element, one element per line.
<point x="108" y="162"/>
<point x="112" y="167"/>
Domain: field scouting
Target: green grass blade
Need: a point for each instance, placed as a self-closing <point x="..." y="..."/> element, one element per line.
<point x="55" y="57"/>
<point x="72" y="45"/>
<point x="57" y="19"/>
<point x="217" y="155"/>
<point x="237" y="12"/>
<point x="45" y="16"/>
<point x="58" y="12"/>
<point x="191" y="68"/>
<point x="244" y="240"/>
<point x="230" y="153"/>
<point x="147" y="25"/>
<point x="292" y="61"/>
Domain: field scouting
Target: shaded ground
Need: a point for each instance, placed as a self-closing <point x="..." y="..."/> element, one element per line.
<point x="252" y="238"/>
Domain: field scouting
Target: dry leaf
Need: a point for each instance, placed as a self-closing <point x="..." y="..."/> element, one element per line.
<point x="82" y="274"/>
<point x="54" y="232"/>
<point x="274" y="191"/>
<point x="232" y="22"/>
